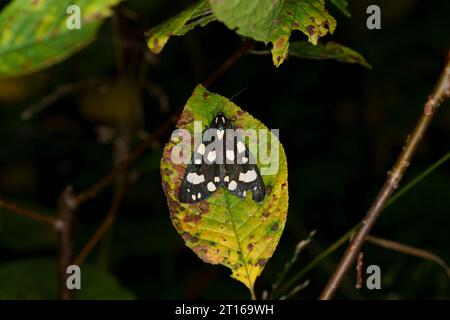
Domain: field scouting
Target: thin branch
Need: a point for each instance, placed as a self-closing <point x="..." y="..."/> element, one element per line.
<point x="92" y="191"/>
<point x="248" y="45"/>
<point x="27" y="213"/>
<point x="412" y="251"/>
<point x="64" y="228"/>
<point x="104" y="226"/>
<point x="439" y="94"/>
<point x="59" y="92"/>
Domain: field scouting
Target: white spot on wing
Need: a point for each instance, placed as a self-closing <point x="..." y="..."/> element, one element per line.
<point x="244" y="159"/>
<point x="226" y="179"/>
<point x="199" y="195"/>
<point x="230" y="155"/>
<point x="197" y="161"/>
<point x="216" y="179"/>
<point x="249" y="176"/>
<point x="244" y="194"/>
<point x="220" y="134"/>
<point x="240" y="147"/>
<point x="232" y="185"/>
<point x="212" y="156"/>
<point x="201" y="149"/>
<point x="194" y="178"/>
<point x="194" y="197"/>
<point x="211" y="187"/>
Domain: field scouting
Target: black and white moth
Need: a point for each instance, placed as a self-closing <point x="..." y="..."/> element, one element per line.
<point x="238" y="173"/>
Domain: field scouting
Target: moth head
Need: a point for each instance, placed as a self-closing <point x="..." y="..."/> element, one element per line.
<point x="220" y="120"/>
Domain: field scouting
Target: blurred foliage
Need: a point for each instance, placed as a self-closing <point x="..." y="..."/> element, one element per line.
<point x="37" y="279"/>
<point x="341" y="126"/>
<point x="35" y="34"/>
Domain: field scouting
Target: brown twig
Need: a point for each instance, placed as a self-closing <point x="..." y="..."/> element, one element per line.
<point x="64" y="227"/>
<point x="59" y="92"/>
<point x="412" y="251"/>
<point x="92" y="191"/>
<point x="27" y="213"/>
<point x="359" y="266"/>
<point x="439" y="94"/>
<point x="104" y="226"/>
<point x="248" y="45"/>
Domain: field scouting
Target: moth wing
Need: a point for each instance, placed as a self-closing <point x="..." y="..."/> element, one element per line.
<point x="243" y="174"/>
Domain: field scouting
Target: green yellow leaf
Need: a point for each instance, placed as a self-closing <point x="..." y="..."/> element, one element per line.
<point x="34" y="33"/>
<point x="199" y="14"/>
<point x="274" y="20"/>
<point x="224" y="229"/>
<point x="330" y="50"/>
<point x="269" y="21"/>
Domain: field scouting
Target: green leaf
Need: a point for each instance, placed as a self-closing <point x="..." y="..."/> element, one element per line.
<point x="342" y="6"/>
<point x="330" y="50"/>
<point x="34" y="34"/>
<point x="224" y="229"/>
<point x="199" y="14"/>
<point x="38" y="279"/>
<point x="33" y="235"/>
<point x="273" y="21"/>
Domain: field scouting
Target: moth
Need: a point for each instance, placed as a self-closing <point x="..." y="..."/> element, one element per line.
<point x="235" y="169"/>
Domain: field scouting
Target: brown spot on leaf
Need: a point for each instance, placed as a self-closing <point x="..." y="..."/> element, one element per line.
<point x="186" y="117"/>
<point x="233" y="118"/>
<point x="187" y="237"/>
<point x="310" y="30"/>
<point x="266" y="214"/>
<point x="289" y="13"/>
<point x="261" y="262"/>
<point x="204" y="206"/>
<point x="167" y="172"/>
<point x="195" y="218"/>
<point x="275" y="227"/>
<point x="296" y="24"/>
<point x="250" y="247"/>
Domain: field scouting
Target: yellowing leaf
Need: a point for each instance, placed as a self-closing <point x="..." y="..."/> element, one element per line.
<point x="198" y="14"/>
<point x="274" y="20"/>
<point x="262" y="20"/>
<point x="224" y="229"/>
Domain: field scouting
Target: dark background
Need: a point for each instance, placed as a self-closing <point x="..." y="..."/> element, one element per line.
<point x="341" y="125"/>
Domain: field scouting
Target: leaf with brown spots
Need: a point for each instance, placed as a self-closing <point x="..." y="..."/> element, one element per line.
<point x="240" y="234"/>
<point x="34" y="34"/>
<point x="199" y="14"/>
<point x="330" y="50"/>
<point x="274" y="20"/>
